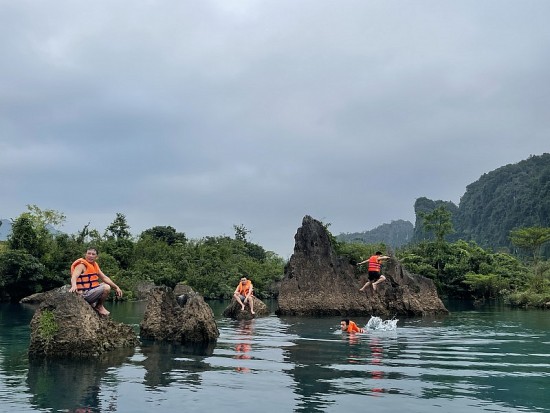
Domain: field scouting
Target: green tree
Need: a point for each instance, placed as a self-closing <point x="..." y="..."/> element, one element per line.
<point x="118" y="241"/>
<point x="24" y="237"/>
<point x="165" y="234"/>
<point x="119" y="228"/>
<point x="438" y="222"/>
<point x="241" y="232"/>
<point x="21" y="274"/>
<point x="531" y="239"/>
<point x="45" y="217"/>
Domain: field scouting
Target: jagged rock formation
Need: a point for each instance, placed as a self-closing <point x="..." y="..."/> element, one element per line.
<point x="65" y="326"/>
<point x="39" y="298"/>
<point x="318" y="282"/>
<point x="233" y="310"/>
<point x="185" y="318"/>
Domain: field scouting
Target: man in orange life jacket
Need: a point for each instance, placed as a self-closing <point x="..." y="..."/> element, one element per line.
<point x="85" y="276"/>
<point x="350" y="327"/>
<point x="375" y="277"/>
<point x="243" y="294"/>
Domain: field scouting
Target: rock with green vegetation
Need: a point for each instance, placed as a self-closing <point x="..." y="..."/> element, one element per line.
<point x="319" y="282"/>
<point x="66" y="326"/>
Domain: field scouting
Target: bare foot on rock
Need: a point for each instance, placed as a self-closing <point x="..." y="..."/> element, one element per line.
<point x="101" y="310"/>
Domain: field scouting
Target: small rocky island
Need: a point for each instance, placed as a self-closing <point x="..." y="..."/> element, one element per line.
<point x="233" y="310"/>
<point x="318" y="282"/>
<point x="65" y="326"/>
<point x="179" y="315"/>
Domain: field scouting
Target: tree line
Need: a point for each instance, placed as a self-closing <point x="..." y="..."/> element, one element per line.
<point x="510" y="197"/>
<point x="463" y="269"/>
<point x="35" y="259"/>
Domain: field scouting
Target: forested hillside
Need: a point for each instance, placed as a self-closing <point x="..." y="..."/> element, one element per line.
<point x="424" y="205"/>
<point x="513" y="196"/>
<point x="510" y="197"/>
<point x="395" y="234"/>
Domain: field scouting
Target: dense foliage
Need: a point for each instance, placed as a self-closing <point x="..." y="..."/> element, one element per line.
<point x="507" y="198"/>
<point x="465" y="270"/>
<point x="35" y="259"/>
<point x="423" y="206"/>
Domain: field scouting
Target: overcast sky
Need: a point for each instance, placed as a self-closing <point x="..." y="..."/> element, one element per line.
<point x="207" y="114"/>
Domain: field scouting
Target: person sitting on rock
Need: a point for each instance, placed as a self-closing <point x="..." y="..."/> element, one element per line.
<point x="350" y="327"/>
<point x="85" y="276"/>
<point x="243" y="294"/>
<point x="375" y="277"/>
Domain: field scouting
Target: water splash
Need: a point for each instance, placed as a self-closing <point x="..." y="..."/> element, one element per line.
<point x="376" y="323"/>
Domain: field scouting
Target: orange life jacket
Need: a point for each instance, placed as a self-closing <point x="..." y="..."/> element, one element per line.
<point x="244" y="289"/>
<point x="374" y="264"/>
<point x="89" y="278"/>
<point x="352" y="328"/>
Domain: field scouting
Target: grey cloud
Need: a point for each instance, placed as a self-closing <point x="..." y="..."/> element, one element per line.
<point x="202" y="115"/>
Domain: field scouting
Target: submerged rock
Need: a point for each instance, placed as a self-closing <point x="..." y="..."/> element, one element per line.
<point x="165" y="319"/>
<point x="318" y="282"/>
<point x="65" y="325"/>
<point x="233" y="310"/>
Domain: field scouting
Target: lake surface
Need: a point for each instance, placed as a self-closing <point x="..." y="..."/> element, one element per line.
<point x="486" y="359"/>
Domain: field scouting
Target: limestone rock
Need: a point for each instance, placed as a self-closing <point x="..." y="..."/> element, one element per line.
<point x="38" y="298"/>
<point x="318" y="282"/>
<point x="165" y="319"/>
<point x="142" y="288"/>
<point x="65" y="325"/>
<point x="233" y="310"/>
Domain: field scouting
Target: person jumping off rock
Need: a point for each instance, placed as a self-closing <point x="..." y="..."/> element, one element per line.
<point x="375" y="277"/>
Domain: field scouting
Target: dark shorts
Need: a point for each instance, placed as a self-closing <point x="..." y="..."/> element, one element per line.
<point x="374" y="275"/>
<point x="91" y="296"/>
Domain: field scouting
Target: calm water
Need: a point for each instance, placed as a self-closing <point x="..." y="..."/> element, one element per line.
<point x="488" y="359"/>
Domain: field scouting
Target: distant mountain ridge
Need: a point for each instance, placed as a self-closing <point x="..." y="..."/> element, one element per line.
<point x="5" y="229"/>
<point x="512" y="196"/>
<point x="395" y="234"/>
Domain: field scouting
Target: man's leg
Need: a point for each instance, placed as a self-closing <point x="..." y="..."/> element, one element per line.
<point x="238" y="298"/>
<point x="99" y="306"/>
<point x="365" y="286"/>
<point x="381" y="279"/>
<point x="250" y="301"/>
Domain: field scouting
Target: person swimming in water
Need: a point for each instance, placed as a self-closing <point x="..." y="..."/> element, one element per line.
<point x="350" y="327"/>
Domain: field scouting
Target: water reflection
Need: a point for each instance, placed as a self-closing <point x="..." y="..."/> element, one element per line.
<point x="166" y="363"/>
<point x="311" y="358"/>
<point x="73" y="385"/>
<point x="244" y="336"/>
<point x="476" y="361"/>
<point x="377" y="354"/>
